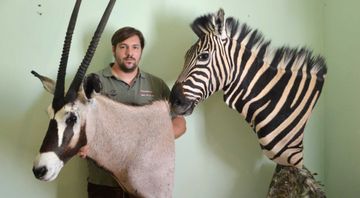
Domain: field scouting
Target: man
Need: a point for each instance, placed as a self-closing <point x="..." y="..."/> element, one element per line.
<point x="123" y="81"/>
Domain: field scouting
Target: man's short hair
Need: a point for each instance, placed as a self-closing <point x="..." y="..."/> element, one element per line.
<point x="126" y="32"/>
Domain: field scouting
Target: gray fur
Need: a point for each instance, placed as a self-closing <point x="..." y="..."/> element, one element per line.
<point x="143" y="161"/>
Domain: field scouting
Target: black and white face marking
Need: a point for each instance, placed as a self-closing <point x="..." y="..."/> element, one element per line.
<point x="200" y="76"/>
<point x="68" y="122"/>
<point x="62" y="141"/>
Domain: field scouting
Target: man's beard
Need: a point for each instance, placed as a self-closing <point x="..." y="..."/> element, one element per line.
<point x="126" y="69"/>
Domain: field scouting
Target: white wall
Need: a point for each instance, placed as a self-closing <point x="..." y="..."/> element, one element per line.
<point x="218" y="156"/>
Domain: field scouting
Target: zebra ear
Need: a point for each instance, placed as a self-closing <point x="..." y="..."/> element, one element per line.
<point x="219" y="23"/>
<point x="210" y="24"/>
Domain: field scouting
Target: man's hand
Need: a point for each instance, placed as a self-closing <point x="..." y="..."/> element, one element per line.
<point x="179" y="125"/>
<point x="83" y="151"/>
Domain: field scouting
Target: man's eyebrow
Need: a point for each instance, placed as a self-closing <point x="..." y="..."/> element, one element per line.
<point x="127" y="45"/>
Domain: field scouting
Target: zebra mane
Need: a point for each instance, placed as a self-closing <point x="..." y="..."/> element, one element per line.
<point x="202" y="25"/>
<point x="253" y="40"/>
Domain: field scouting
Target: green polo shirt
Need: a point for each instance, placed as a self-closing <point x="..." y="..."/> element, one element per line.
<point x="144" y="89"/>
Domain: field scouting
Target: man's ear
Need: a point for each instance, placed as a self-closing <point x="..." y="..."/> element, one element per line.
<point x="91" y="83"/>
<point x="113" y="49"/>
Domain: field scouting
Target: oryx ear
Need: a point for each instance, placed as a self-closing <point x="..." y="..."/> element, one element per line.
<point x="48" y="83"/>
<point x="90" y="84"/>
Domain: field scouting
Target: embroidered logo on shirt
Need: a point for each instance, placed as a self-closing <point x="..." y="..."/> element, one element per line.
<point x="146" y="93"/>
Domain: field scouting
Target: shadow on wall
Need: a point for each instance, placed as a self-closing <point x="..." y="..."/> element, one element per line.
<point x="165" y="49"/>
<point x="230" y="137"/>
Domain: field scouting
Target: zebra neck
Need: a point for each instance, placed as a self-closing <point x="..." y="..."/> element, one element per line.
<point x="289" y="86"/>
<point x="236" y="102"/>
<point x="246" y="70"/>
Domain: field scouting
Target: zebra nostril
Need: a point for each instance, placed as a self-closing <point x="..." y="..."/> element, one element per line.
<point x="177" y="102"/>
<point x="40" y="172"/>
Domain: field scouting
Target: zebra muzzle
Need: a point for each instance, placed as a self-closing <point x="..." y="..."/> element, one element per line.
<point x="180" y="104"/>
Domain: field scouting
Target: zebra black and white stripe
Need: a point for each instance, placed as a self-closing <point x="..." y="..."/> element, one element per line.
<point x="275" y="89"/>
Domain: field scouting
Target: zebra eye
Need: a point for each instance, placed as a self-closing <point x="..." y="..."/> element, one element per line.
<point x="203" y="56"/>
<point x="71" y="119"/>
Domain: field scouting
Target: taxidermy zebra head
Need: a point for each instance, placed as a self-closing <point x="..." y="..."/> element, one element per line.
<point x="232" y="57"/>
<point x="275" y="89"/>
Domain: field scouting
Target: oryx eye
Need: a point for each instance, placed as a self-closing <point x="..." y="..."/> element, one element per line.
<point x="204" y="56"/>
<point x="71" y="119"/>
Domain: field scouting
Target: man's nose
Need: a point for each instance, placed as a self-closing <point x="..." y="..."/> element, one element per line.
<point x="129" y="52"/>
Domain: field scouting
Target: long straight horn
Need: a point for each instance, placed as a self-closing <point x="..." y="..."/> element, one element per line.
<point x="58" y="100"/>
<point x="75" y="85"/>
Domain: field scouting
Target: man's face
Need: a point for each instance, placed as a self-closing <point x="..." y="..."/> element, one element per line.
<point x="128" y="54"/>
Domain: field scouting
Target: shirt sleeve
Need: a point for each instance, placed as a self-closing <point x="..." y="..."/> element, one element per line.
<point x="159" y="87"/>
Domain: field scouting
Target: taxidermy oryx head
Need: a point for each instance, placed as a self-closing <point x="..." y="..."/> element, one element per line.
<point x="65" y="134"/>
